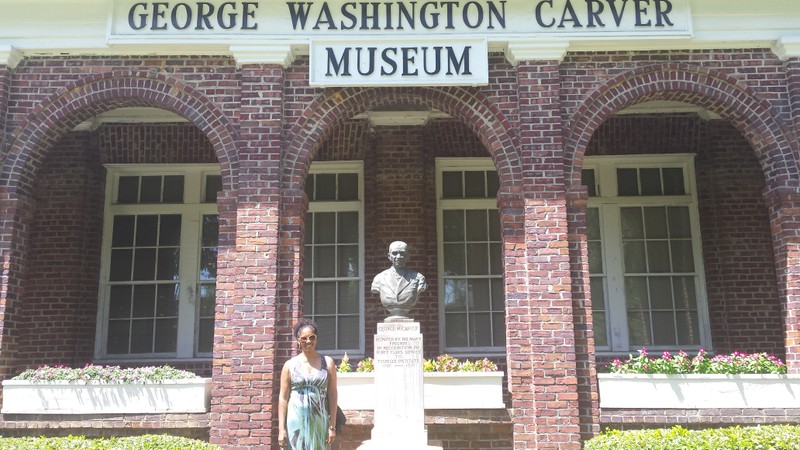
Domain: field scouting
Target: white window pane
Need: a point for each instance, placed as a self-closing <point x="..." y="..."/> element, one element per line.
<point x="499" y="329"/>
<point x="634" y="255"/>
<point x="144" y="264"/>
<point x="638" y="329"/>
<point x="146" y="230"/>
<point x="477" y="225"/>
<point x="324" y="228"/>
<point x="121" y="265"/>
<point x="324" y="261"/>
<point x="682" y="257"/>
<point x="118" y="337"/>
<point x="496" y="259"/>
<point x="123" y="232"/>
<point x="348" y="297"/>
<point x="120" y="302"/>
<point x="599" y="326"/>
<point x="454" y="259"/>
<point x="455" y="295"/>
<point x="205" y="335"/>
<point x="664" y="328"/>
<point x="348" y="186"/>
<point x="347" y="228"/>
<point x="144" y="301"/>
<point x="347" y="265"/>
<point x="324" y="298"/>
<point x="128" y="190"/>
<point x="593" y="224"/>
<point x="474" y="184"/>
<point x="673" y="181"/>
<point x="632" y="224"/>
<point x="151" y="190"/>
<point x="651" y="181"/>
<point x="598" y="295"/>
<point x="636" y="293"/>
<point x="325" y="187"/>
<point x="167" y="298"/>
<point x="660" y="293"/>
<point x="480" y="329"/>
<point x="684" y="292"/>
<point x="479" y="299"/>
<point x="679" y="225"/>
<point x="348" y="332"/>
<point x="456" y="330"/>
<point x="142" y="336"/>
<point x="595" y="257"/>
<point x="308" y="262"/>
<point x="477" y="259"/>
<point x="494" y="226"/>
<point x="326" y="340"/>
<point x="498" y="294"/>
<point x="658" y="256"/>
<point x="166" y="337"/>
<point x="453" y="225"/>
<point x="627" y="182"/>
<point x="688" y="328"/>
<point x="452" y="185"/>
<point x="655" y="223"/>
<point x="168" y="264"/>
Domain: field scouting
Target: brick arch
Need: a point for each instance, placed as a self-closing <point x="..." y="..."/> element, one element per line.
<point x="471" y="107"/>
<point x="99" y="93"/>
<point x="727" y="96"/>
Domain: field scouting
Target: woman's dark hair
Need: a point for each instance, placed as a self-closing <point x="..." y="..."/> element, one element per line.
<point x="304" y="323"/>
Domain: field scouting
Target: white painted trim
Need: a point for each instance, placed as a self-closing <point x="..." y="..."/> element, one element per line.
<point x="336" y="167"/>
<point x="281" y="54"/>
<point x="535" y="50"/>
<point x="9" y="56"/>
<point x="191" y="211"/>
<point x="787" y="47"/>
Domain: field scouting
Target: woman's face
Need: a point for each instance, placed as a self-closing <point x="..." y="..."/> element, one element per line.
<point x="307" y="339"/>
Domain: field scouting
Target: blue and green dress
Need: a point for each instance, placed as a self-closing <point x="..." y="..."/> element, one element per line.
<point x="307" y="412"/>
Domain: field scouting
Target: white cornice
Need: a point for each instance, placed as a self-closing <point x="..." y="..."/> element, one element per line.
<point x="263" y="54"/>
<point x="537" y="50"/>
<point x="9" y="56"/>
<point x="787" y="47"/>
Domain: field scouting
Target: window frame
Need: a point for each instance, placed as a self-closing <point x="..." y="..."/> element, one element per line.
<point x="445" y="164"/>
<point x="339" y="167"/>
<point x="609" y="207"/>
<point x="191" y="210"/>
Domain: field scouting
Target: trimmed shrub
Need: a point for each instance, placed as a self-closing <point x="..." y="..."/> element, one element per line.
<point x="768" y="437"/>
<point x="146" y="442"/>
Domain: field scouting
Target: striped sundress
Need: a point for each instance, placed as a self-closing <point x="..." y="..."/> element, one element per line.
<point x="307" y="413"/>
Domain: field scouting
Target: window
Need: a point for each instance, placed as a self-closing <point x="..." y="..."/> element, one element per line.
<point x="159" y="261"/>
<point x="645" y="262"/>
<point x="472" y="302"/>
<point x="333" y="266"/>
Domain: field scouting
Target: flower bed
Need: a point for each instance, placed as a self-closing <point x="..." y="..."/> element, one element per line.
<point x="448" y="384"/>
<point x="105" y="389"/>
<point x="737" y="380"/>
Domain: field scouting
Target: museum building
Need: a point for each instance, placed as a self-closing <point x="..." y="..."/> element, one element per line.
<point x="577" y="179"/>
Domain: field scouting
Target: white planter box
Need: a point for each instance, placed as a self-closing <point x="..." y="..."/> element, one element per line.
<point x="451" y="390"/>
<point x="178" y="396"/>
<point x="698" y="391"/>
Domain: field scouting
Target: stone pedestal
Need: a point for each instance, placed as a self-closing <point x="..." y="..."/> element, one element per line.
<point x="399" y="411"/>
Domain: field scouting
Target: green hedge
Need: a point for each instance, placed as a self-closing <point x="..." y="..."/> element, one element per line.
<point x="769" y="437"/>
<point x="146" y="442"/>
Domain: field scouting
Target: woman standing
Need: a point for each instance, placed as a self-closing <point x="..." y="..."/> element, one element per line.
<point x="308" y="398"/>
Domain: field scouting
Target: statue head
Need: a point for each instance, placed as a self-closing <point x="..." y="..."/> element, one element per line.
<point x="398" y="254"/>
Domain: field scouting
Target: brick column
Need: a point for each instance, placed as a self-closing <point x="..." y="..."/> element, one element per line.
<point x="541" y="335"/>
<point x="245" y="370"/>
<point x="5" y="82"/>
<point x="784" y="210"/>
<point x="577" y="201"/>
